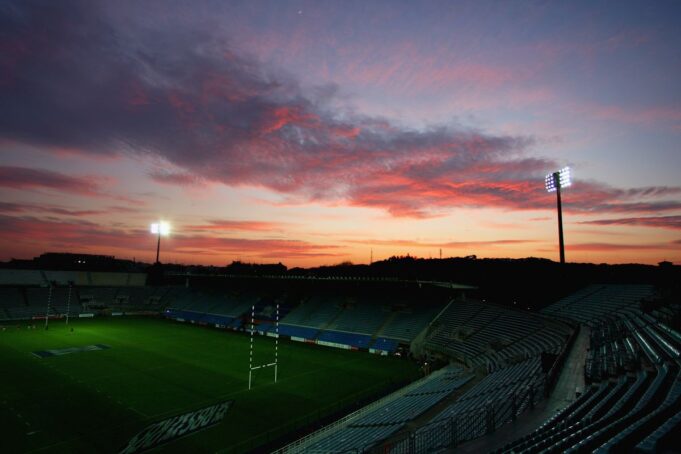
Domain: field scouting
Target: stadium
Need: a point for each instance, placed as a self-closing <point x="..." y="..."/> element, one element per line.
<point x="101" y="361"/>
<point x="340" y="226"/>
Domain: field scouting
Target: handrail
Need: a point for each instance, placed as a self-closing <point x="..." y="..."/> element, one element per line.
<point x="305" y="441"/>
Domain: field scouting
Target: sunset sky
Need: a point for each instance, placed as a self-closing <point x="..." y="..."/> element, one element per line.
<point x="313" y="132"/>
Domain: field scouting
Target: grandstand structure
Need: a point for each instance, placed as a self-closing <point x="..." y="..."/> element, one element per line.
<point x="24" y="294"/>
<point x="333" y="321"/>
<point x="633" y="370"/>
<point x="476" y="333"/>
<point x="500" y="362"/>
<point x="507" y="368"/>
<point x="633" y="373"/>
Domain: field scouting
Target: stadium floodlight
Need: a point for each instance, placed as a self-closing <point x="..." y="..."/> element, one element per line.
<point x="160" y="228"/>
<point x="560" y="179"/>
<point x="554" y="182"/>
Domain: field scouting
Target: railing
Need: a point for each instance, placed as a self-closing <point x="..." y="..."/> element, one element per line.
<point x="334" y="278"/>
<point x="454" y="430"/>
<point x="554" y="372"/>
<point x="301" y="444"/>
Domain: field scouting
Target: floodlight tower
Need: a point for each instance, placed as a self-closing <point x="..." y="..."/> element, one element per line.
<point x="160" y="228"/>
<point x="554" y="182"/>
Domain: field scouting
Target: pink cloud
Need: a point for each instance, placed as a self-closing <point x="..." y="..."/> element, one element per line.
<point x="234" y="225"/>
<point x="217" y="116"/>
<point x="38" y="235"/>
<point x="30" y="178"/>
<point x="665" y="222"/>
<point x="614" y="247"/>
<point x="448" y="244"/>
<point x="637" y="115"/>
<point x="177" y="178"/>
<point x="60" y="210"/>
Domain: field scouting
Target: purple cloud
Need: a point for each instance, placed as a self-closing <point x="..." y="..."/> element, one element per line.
<point x="28" y="178"/>
<point x="190" y="98"/>
<point x="665" y="222"/>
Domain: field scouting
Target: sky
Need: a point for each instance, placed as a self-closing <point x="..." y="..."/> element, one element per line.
<point x="314" y="133"/>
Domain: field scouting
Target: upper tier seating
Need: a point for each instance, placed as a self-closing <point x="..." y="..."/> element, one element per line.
<point x="21" y="277"/>
<point x="363" y="317"/>
<point x="476" y="333"/>
<point x="598" y="302"/>
<point x="408" y="323"/>
<point x="315" y="312"/>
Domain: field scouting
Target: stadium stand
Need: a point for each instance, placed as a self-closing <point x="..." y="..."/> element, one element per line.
<point x="478" y="333"/>
<point x="385" y="345"/>
<point x="24" y="303"/>
<point x="315" y="312"/>
<point x="96" y="296"/>
<point x="21" y="277"/>
<point x="499" y="398"/>
<point x="597" y="302"/>
<point x="328" y="320"/>
<point x="632" y="371"/>
<point x="13" y="304"/>
<point x="365" y="428"/>
<point x="62" y="277"/>
<point x="504" y="360"/>
<point x="342" y="338"/>
<point x="360" y="317"/>
<point x="633" y="365"/>
<point x="408" y="323"/>
<point x="109" y="279"/>
<point x="298" y="332"/>
<point x="515" y="384"/>
<point x="43" y="278"/>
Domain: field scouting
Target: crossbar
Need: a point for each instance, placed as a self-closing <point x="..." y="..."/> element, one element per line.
<point x="263" y="365"/>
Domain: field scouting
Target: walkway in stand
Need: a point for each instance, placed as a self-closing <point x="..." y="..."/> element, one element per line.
<point x="571" y="379"/>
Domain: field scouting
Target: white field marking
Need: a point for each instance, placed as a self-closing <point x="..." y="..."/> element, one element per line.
<point x="142" y="414"/>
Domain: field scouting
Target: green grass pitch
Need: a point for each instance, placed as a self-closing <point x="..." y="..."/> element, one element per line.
<point x="96" y="401"/>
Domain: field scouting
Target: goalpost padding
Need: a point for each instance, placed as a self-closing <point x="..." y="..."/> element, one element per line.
<point x="274" y="364"/>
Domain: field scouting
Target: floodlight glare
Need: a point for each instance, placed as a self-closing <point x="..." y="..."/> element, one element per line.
<point x="554" y="182"/>
<point x="160" y="228"/>
<point x="558" y="179"/>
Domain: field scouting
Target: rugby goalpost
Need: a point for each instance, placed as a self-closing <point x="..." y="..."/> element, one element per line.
<point x="53" y="284"/>
<point x="49" y="302"/>
<point x="274" y="364"/>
